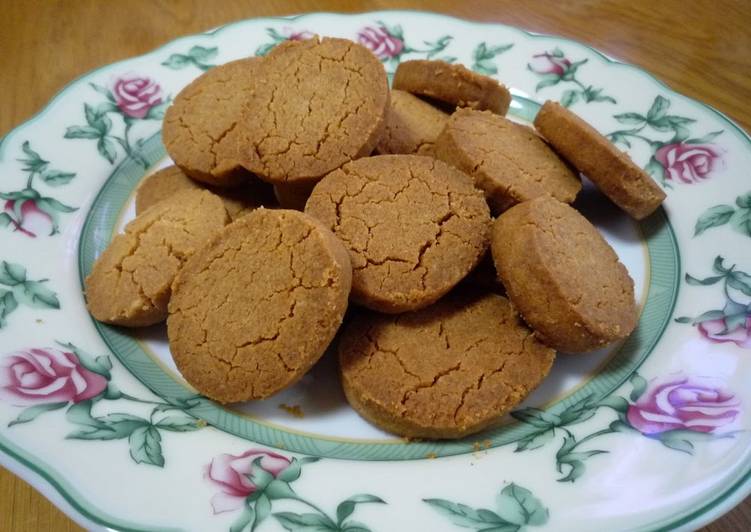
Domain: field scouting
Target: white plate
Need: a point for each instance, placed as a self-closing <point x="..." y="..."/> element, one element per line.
<point x="645" y="435"/>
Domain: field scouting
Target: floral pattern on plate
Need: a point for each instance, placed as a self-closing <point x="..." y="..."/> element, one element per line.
<point x="47" y="379"/>
<point x="679" y="159"/>
<point x="132" y="98"/>
<point x="16" y="288"/>
<point x="253" y="480"/>
<point x="554" y="67"/>
<point x="28" y="212"/>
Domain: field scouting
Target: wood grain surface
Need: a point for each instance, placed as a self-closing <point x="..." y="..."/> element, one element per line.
<point x="701" y="48"/>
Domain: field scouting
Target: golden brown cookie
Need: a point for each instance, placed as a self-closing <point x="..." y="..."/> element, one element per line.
<point x="257" y="306"/>
<point x="564" y="278"/>
<point x="446" y="371"/>
<point x="452" y="83"/>
<point x="197" y="125"/>
<point x="412" y="125"/>
<point x="612" y="170"/>
<point x="129" y="283"/>
<point x="161" y="185"/>
<point x="293" y="196"/>
<point x="507" y="160"/>
<point x="165" y="183"/>
<point x="414" y="227"/>
<point x="321" y="104"/>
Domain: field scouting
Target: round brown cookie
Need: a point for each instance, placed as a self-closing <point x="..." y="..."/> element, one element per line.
<point x="161" y="185"/>
<point x="414" y="227"/>
<point x="507" y="160"/>
<point x="130" y="282"/>
<point x="321" y="104"/>
<point x="612" y="170"/>
<point x="293" y="196"/>
<point x="165" y="183"/>
<point x="446" y="371"/>
<point x="564" y="278"/>
<point x="452" y="83"/>
<point x="254" y="309"/>
<point x="412" y="125"/>
<point x="197" y="125"/>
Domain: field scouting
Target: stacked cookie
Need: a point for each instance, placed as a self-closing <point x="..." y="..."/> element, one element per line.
<point x="397" y="190"/>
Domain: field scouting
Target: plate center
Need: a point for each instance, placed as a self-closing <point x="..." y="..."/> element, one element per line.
<point x="316" y="405"/>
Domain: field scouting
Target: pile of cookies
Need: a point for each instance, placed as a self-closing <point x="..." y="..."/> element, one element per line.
<point x="308" y="200"/>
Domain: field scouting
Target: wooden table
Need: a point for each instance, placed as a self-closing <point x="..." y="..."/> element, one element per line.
<point x="699" y="47"/>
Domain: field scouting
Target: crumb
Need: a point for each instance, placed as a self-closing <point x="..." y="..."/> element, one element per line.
<point x="40" y="321"/>
<point x="476" y="446"/>
<point x="292" y="410"/>
<point x="431" y="456"/>
<point x="201" y="423"/>
<point x="487" y="444"/>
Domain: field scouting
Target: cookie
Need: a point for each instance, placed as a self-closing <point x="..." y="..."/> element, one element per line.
<point x="414" y="227"/>
<point x="412" y="125"/>
<point x="452" y="83"/>
<point x="257" y="306"/>
<point x="446" y="371"/>
<point x="165" y="183"/>
<point x="161" y="185"/>
<point x="130" y="282"/>
<point x="562" y="276"/>
<point x="292" y="196"/>
<point x="197" y="126"/>
<point x="507" y="160"/>
<point x="612" y="170"/>
<point x="321" y="105"/>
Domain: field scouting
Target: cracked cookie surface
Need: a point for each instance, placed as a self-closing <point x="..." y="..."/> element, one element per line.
<point x="165" y="183"/>
<point x="452" y="83"/>
<point x="320" y="105"/>
<point x="612" y="170"/>
<point x="412" y="125"/>
<point x="446" y="371"/>
<point x="197" y="126"/>
<point x="256" y="307"/>
<point x="507" y="160"/>
<point x="414" y="227"/>
<point x="564" y="278"/>
<point x="130" y="282"/>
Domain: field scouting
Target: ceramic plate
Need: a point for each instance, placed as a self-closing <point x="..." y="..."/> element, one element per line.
<point x="651" y="433"/>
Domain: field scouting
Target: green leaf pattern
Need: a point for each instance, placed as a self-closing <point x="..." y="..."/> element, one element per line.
<point x="737" y="215"/>
<point x="735" y="315"/>
<point x="144" y="434"/>
<point x="18" y="201"/>
<point x="559" y="69"/>
<point x="99" y="125"/>
<point x="515" y="509"/>
<point x="658" y="120"/>
<point x="17" y="290"/>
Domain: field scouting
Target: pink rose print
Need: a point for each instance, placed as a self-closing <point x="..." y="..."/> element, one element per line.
<point x="689" y="163"/>
<point x="40" y="376"/>
<point x="230" y="473"/>
<point x="33" y="220"/>
<point x="741" y="335"/>
<point x="547" y="63"/>
<point x="687" y="403"/>
<point x="299" y="35"/>
<point x="135" y="95"/>
<point x="379" y="41"/>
